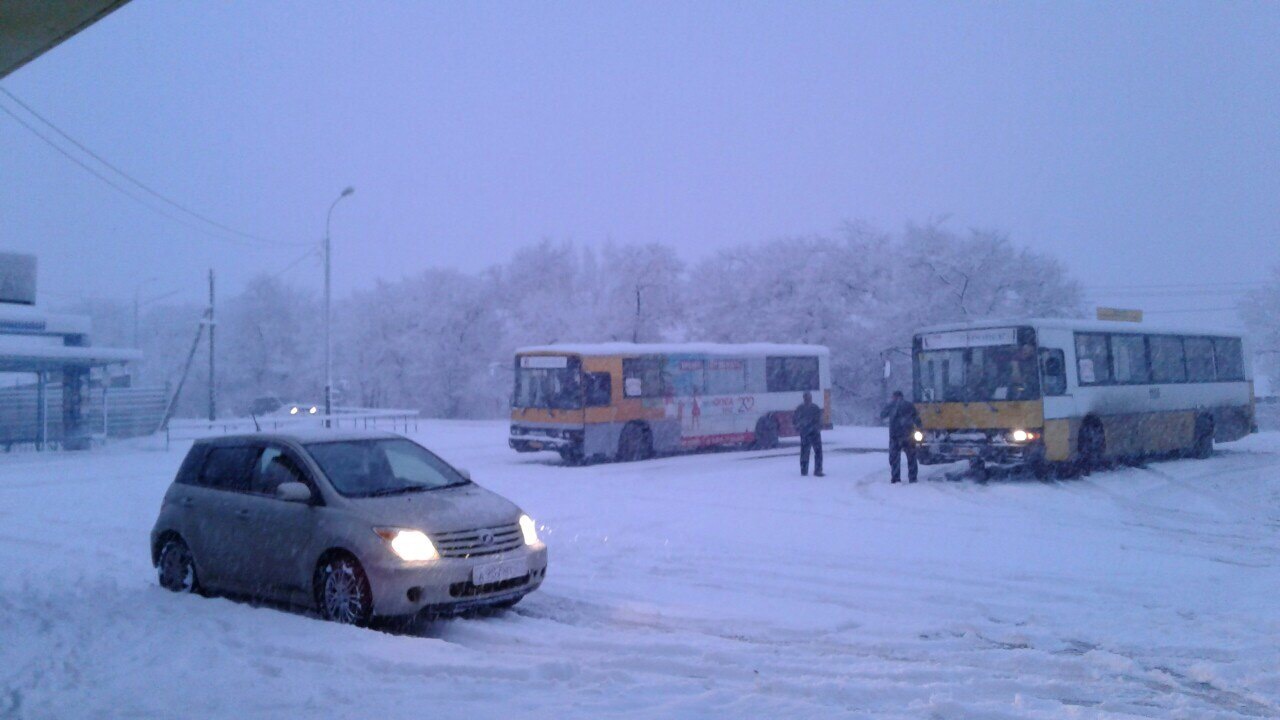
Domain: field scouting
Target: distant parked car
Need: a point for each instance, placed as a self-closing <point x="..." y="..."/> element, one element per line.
<point x="297" y="409"/>
<point x="353" y="524"/>
<point x="264" y="404"/>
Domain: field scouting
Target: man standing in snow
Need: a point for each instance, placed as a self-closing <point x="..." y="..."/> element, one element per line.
<point x="808" y="422"/>
<point x="903" y="421"/>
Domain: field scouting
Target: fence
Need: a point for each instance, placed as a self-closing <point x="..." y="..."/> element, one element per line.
<point x="106" y="413"/>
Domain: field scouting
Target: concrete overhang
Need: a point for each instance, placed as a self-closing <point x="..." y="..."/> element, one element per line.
<point x="29" y="28"/>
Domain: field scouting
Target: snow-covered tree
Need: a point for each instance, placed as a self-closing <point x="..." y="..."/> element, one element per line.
<point x="1261" y="313"/>
<point x="641" y="288"/>
<point x="864" y="294"/>
<point x="270" y="342"/>
<point x="425" y="342"/>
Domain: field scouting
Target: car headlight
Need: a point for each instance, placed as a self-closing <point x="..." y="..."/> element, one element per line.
<point x="1021" y="436"/>
<point x="293" y="411"/>
<point x="312" y="410"/>
<point x="409" y="545"/>
<point x="918" y="436"/>
<point x="529" y="530"/>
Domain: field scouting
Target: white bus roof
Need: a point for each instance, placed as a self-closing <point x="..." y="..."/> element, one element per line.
<point x="625" y="348"/>
<point x="1082" y="325"/>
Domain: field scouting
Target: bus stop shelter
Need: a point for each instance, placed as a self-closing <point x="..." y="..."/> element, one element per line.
<point x="54" y="350"/>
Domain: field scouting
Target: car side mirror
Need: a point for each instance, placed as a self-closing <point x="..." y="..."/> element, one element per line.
<point x="465" y="473"/>
<point x="293" y="492"/>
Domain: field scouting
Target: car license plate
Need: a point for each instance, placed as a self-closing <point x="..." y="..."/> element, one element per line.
<point x="499" y="571"/>
<point x="966" y="451"/>
<point x="535" y="445"/>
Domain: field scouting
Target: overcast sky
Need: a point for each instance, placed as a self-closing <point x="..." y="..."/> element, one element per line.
<point x="1137" y="142"/>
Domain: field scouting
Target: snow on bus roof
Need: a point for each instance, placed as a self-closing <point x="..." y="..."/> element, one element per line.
<point x="626" y="348"/>
<point x="1083" y="325"/>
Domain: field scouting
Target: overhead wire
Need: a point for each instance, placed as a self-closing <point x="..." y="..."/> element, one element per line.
<point x="241" y="236"/>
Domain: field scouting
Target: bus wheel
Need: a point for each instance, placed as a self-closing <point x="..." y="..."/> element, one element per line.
<point x="571" y="455"/>
<point x="1203" y="447"/>
<point x="636" y="443"/>
<point x="1092" y="446"/>
<point x="766" y="433"/>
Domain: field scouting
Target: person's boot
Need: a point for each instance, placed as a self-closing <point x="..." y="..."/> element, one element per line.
<point x="895" y="480"/>
<point x="819" y="473"/>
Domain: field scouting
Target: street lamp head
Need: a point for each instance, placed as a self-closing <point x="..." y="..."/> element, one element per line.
<point x="348" y="191"/>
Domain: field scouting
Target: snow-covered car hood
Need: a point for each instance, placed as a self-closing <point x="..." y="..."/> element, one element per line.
<point x="465" y="507"/>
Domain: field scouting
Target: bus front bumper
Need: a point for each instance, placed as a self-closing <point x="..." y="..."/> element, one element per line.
<point x="938" y="453"/>
<point x="533" y="439"/>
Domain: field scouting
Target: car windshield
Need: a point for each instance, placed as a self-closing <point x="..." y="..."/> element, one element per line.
<point x="978" y="374"/>
<point x="552" y="382"/>
<point x="373" y="468"/>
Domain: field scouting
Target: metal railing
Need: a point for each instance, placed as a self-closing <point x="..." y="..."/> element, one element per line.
<point x="404" y="421"/>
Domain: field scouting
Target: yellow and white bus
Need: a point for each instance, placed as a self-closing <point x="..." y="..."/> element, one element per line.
<point x="630" y="401"/>
<point x="1075" y="393"/>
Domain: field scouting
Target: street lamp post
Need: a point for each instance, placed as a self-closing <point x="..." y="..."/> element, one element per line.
<point x="328" y="336"/>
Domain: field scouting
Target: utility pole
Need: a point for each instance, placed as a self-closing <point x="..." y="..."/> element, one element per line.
<point x="213" y="377"/>
<point x="635" y="329"/>
<point x="328" y="298"/>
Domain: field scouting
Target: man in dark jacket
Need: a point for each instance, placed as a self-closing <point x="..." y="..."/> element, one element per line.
<point x="808" y="421"/>
<point x="903" y="421"/>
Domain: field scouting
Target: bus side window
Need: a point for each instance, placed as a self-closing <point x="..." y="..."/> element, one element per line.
<point x="1053" y="368"/>
<point x="599" y="389"/>
<point x="1200" y="367"/>
<point x="643" y="377"/>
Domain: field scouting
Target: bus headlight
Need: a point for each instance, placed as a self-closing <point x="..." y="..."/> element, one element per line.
<point x="1021" y="436"/>
<point x="918" y="436"/>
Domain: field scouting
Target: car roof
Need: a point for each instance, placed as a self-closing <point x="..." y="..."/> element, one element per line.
<point x="303" y="436"/>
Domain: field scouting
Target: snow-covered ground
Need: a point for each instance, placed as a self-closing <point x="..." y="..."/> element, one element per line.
<point x="713" y="585"/>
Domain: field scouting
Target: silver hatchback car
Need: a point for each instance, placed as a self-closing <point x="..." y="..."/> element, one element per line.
<point x="354" y="524"/>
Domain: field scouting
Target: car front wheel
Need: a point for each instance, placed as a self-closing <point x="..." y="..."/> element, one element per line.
<point x="343" y="592"/>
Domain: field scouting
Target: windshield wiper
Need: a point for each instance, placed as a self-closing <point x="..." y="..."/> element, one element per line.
<point x="396" y="491"/>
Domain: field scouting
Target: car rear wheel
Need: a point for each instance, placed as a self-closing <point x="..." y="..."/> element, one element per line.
<point x="343" y="593"/>
<point x="175" y="568"/>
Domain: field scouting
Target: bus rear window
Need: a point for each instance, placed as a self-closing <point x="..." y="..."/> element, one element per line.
<point x="1229" y="356"/>
<point x="791" y="374"/>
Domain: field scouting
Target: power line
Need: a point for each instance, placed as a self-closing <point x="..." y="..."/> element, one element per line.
<point x="87" y="168"/>
<point x="137" y="183"/>
<point x="297" y="261"/>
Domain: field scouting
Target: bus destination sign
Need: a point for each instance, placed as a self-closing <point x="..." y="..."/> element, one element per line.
<point x="1119" y="315"/>
<point x="986" y="337"/>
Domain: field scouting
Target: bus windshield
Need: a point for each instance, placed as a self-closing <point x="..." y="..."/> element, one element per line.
<point x="549" y="382"/>
<point x="977" y="374"/>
